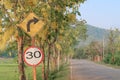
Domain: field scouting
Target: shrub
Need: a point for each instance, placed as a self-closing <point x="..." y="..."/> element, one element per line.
<point x="117" y="58"/>
<point x="112" y="58"/>
<point x="107" y="58"/>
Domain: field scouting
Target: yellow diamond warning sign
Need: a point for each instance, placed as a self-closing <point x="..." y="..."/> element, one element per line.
<point x="31" y="24"/>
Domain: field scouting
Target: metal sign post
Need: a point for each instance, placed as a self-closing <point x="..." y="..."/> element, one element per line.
<point x="34" y="73"/>
<point x="34" y="67"/>
<point x="33" y="56"/>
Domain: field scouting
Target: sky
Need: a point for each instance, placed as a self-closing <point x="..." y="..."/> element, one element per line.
<point x="101" y="13"/>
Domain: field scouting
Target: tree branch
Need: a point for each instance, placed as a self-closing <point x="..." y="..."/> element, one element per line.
<point x="6" y="12"/>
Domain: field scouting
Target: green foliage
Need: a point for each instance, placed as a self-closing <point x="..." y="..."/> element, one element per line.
<point x="59" y="74"/>
<point x="113" y="59"/>
<point x="10" y="51"/>
<point x="29" y="72"/>
<point x="117" y="59"/>
<point x="113" y="55"/>
<point x="57" y="16"/>
<point x="107" y="58"/>
<point x="79" y="54"/>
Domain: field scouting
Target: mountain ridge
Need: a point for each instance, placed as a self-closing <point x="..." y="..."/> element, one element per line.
<point x="94" y="34"/>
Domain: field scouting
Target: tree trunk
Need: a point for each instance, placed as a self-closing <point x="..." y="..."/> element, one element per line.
<point x="48" y="62"/>
<point x="20" y="59"/>
<point x="58" y="61"/>
<point x="43" y="66"/>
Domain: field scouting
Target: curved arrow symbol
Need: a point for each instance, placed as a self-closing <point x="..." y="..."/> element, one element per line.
<point x="34" y="20"/>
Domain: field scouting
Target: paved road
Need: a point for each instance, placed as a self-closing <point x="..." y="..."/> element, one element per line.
<point x="87" y="70"/>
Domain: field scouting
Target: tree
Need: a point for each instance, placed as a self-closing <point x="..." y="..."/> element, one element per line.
<point x="94" y="49"/>
<point x="112" y="40"/>
<point x="113" y="44"/>
<point x="56" y="14"/>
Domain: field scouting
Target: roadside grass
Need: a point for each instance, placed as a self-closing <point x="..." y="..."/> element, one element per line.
<point x="109" y="65"/>
<point x="61" y="74"/>
<point x="9" y="71"/>
<point x="29" y="73"/>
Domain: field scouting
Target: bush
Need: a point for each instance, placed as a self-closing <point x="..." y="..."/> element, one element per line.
<point x="117" y="59"/>
<point x="79" y="54"/>
<point x="107" y="58"/>
<point x="112" y="58"/>
<point x="60" y="74"/>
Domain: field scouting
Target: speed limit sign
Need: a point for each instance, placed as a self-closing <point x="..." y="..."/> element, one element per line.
<point x="33" y="56"/>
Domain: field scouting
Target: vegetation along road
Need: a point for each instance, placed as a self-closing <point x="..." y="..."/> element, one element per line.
<point x="87" y="70"/>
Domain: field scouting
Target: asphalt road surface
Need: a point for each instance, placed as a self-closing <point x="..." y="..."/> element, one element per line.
<point x="88" y="70"/>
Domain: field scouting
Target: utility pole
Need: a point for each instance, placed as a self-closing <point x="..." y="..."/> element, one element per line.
<point x="103" y="47"/>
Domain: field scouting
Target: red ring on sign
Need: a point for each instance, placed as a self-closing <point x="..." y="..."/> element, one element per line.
<point x="39" y="61"/>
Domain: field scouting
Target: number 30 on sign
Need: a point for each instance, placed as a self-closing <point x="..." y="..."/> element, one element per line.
<point x="33" y="56"/>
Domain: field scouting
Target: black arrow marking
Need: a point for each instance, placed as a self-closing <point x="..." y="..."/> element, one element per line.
<point x="34" y="20"/>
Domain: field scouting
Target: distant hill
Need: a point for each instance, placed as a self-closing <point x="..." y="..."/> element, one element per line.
<point x="94" y="34"/>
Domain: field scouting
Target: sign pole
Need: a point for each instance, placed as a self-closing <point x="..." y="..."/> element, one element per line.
<point x="34" y="67"/>
<point x="33" y="41"/>
<point x="34" y="72"/>
<point x="33" y="55"/>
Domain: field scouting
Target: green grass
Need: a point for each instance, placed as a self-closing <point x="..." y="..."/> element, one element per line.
<point x="62" y="74"/>
<point x="109" y="65"/>
<point x="29" y="73"/>
<point x="9" y="71"/>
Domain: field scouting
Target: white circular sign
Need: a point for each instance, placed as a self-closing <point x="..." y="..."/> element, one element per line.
<point x="33" y="56"/>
